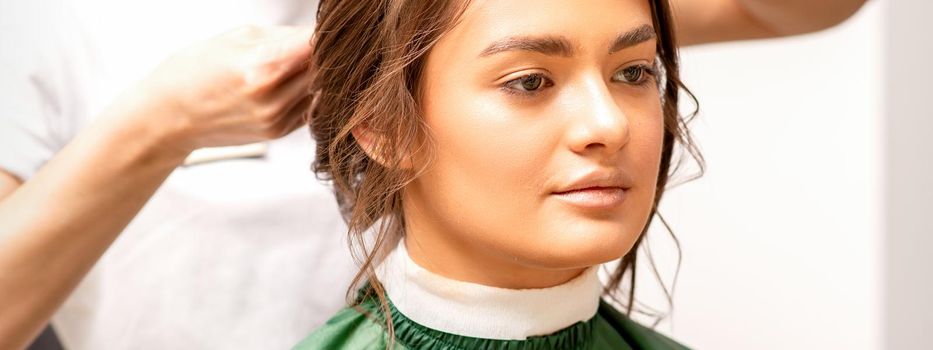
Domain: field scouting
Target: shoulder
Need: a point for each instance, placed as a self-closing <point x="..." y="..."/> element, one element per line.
<point x="348" y="329"/>
<point x="638" y="336"/>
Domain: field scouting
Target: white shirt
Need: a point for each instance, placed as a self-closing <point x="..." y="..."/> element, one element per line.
<point x="245" y="253"/>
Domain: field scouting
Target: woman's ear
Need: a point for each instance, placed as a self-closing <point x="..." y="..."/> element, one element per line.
<point x="371" y="143"/>
<point x="365" y="138"/>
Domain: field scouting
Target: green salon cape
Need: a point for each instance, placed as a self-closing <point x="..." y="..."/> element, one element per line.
<point x="352" y="329"/>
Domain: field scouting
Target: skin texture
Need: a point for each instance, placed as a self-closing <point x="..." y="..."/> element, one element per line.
<point x="499" y="156"/>
<point x="8" y="183"/>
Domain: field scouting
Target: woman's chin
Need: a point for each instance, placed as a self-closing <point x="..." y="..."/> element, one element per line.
<point x="575" y="250"/>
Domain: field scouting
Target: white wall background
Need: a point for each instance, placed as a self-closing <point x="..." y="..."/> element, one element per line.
<point x="908" y="164"/>
<point x="783" y="237"/>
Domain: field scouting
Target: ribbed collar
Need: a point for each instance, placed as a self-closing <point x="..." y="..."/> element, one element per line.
<point x="480" y="311"/>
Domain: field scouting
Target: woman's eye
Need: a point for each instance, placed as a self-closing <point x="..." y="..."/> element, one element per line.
<point x="531" y="83"/>
<point x="632" y="74"/>
<point x="528" y="84"/>
<point x="635" y="75"/>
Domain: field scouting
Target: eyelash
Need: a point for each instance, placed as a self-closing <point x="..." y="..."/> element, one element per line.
<point x="648" y="73"/>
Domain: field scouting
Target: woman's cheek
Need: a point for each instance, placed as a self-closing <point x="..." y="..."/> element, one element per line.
<point x="646" y="155"/>
<point x="502" y="154"/>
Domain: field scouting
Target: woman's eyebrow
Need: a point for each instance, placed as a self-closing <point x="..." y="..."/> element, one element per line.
<point x="548" y="45"/>
<point x="632" y="37"/>
<point x="552" y="45"/>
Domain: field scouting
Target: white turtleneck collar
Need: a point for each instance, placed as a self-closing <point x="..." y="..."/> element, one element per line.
<point x="480" y="311"/>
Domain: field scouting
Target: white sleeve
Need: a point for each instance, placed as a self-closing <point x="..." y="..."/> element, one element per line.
<point x="39" y="92"/>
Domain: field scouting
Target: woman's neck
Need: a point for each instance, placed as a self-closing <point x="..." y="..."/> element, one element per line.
<point x="480" y="310"/>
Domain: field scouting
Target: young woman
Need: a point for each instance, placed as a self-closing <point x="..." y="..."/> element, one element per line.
<point x="488" y="156"/>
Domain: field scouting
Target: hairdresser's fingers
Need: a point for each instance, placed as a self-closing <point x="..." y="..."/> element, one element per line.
<point x="296" y="50"/>
<point x="295" y="118"/>
<point x="276" y="52"/>
<point x="286" y="95"/>
<point x="283" y="65"/>
<point x="230" y="89"/>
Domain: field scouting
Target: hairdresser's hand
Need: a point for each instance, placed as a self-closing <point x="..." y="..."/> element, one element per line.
<point x="247" y="85"/>
<point x="243" y="86"/>
<point x="708" y="21"/>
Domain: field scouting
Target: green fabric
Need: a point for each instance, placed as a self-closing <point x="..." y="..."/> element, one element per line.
<point x="351" y="328"/>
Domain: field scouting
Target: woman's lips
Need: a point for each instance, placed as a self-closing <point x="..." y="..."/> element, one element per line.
<point x="594" y="197"/>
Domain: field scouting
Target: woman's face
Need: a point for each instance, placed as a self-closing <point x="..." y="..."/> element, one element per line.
<point x="547" y="125"/>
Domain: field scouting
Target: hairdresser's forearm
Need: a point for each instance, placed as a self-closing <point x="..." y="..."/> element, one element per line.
<point x="706" y="21"/>
<point x="55" y="226"/>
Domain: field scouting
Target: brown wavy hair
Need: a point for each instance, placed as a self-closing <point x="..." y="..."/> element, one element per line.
<point x="368" y="58"/>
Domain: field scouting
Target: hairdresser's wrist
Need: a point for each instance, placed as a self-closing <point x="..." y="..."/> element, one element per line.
<point x="145" y="128"/>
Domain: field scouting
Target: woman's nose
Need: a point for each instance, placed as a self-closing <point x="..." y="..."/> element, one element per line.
<point x="600" y="123"/>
